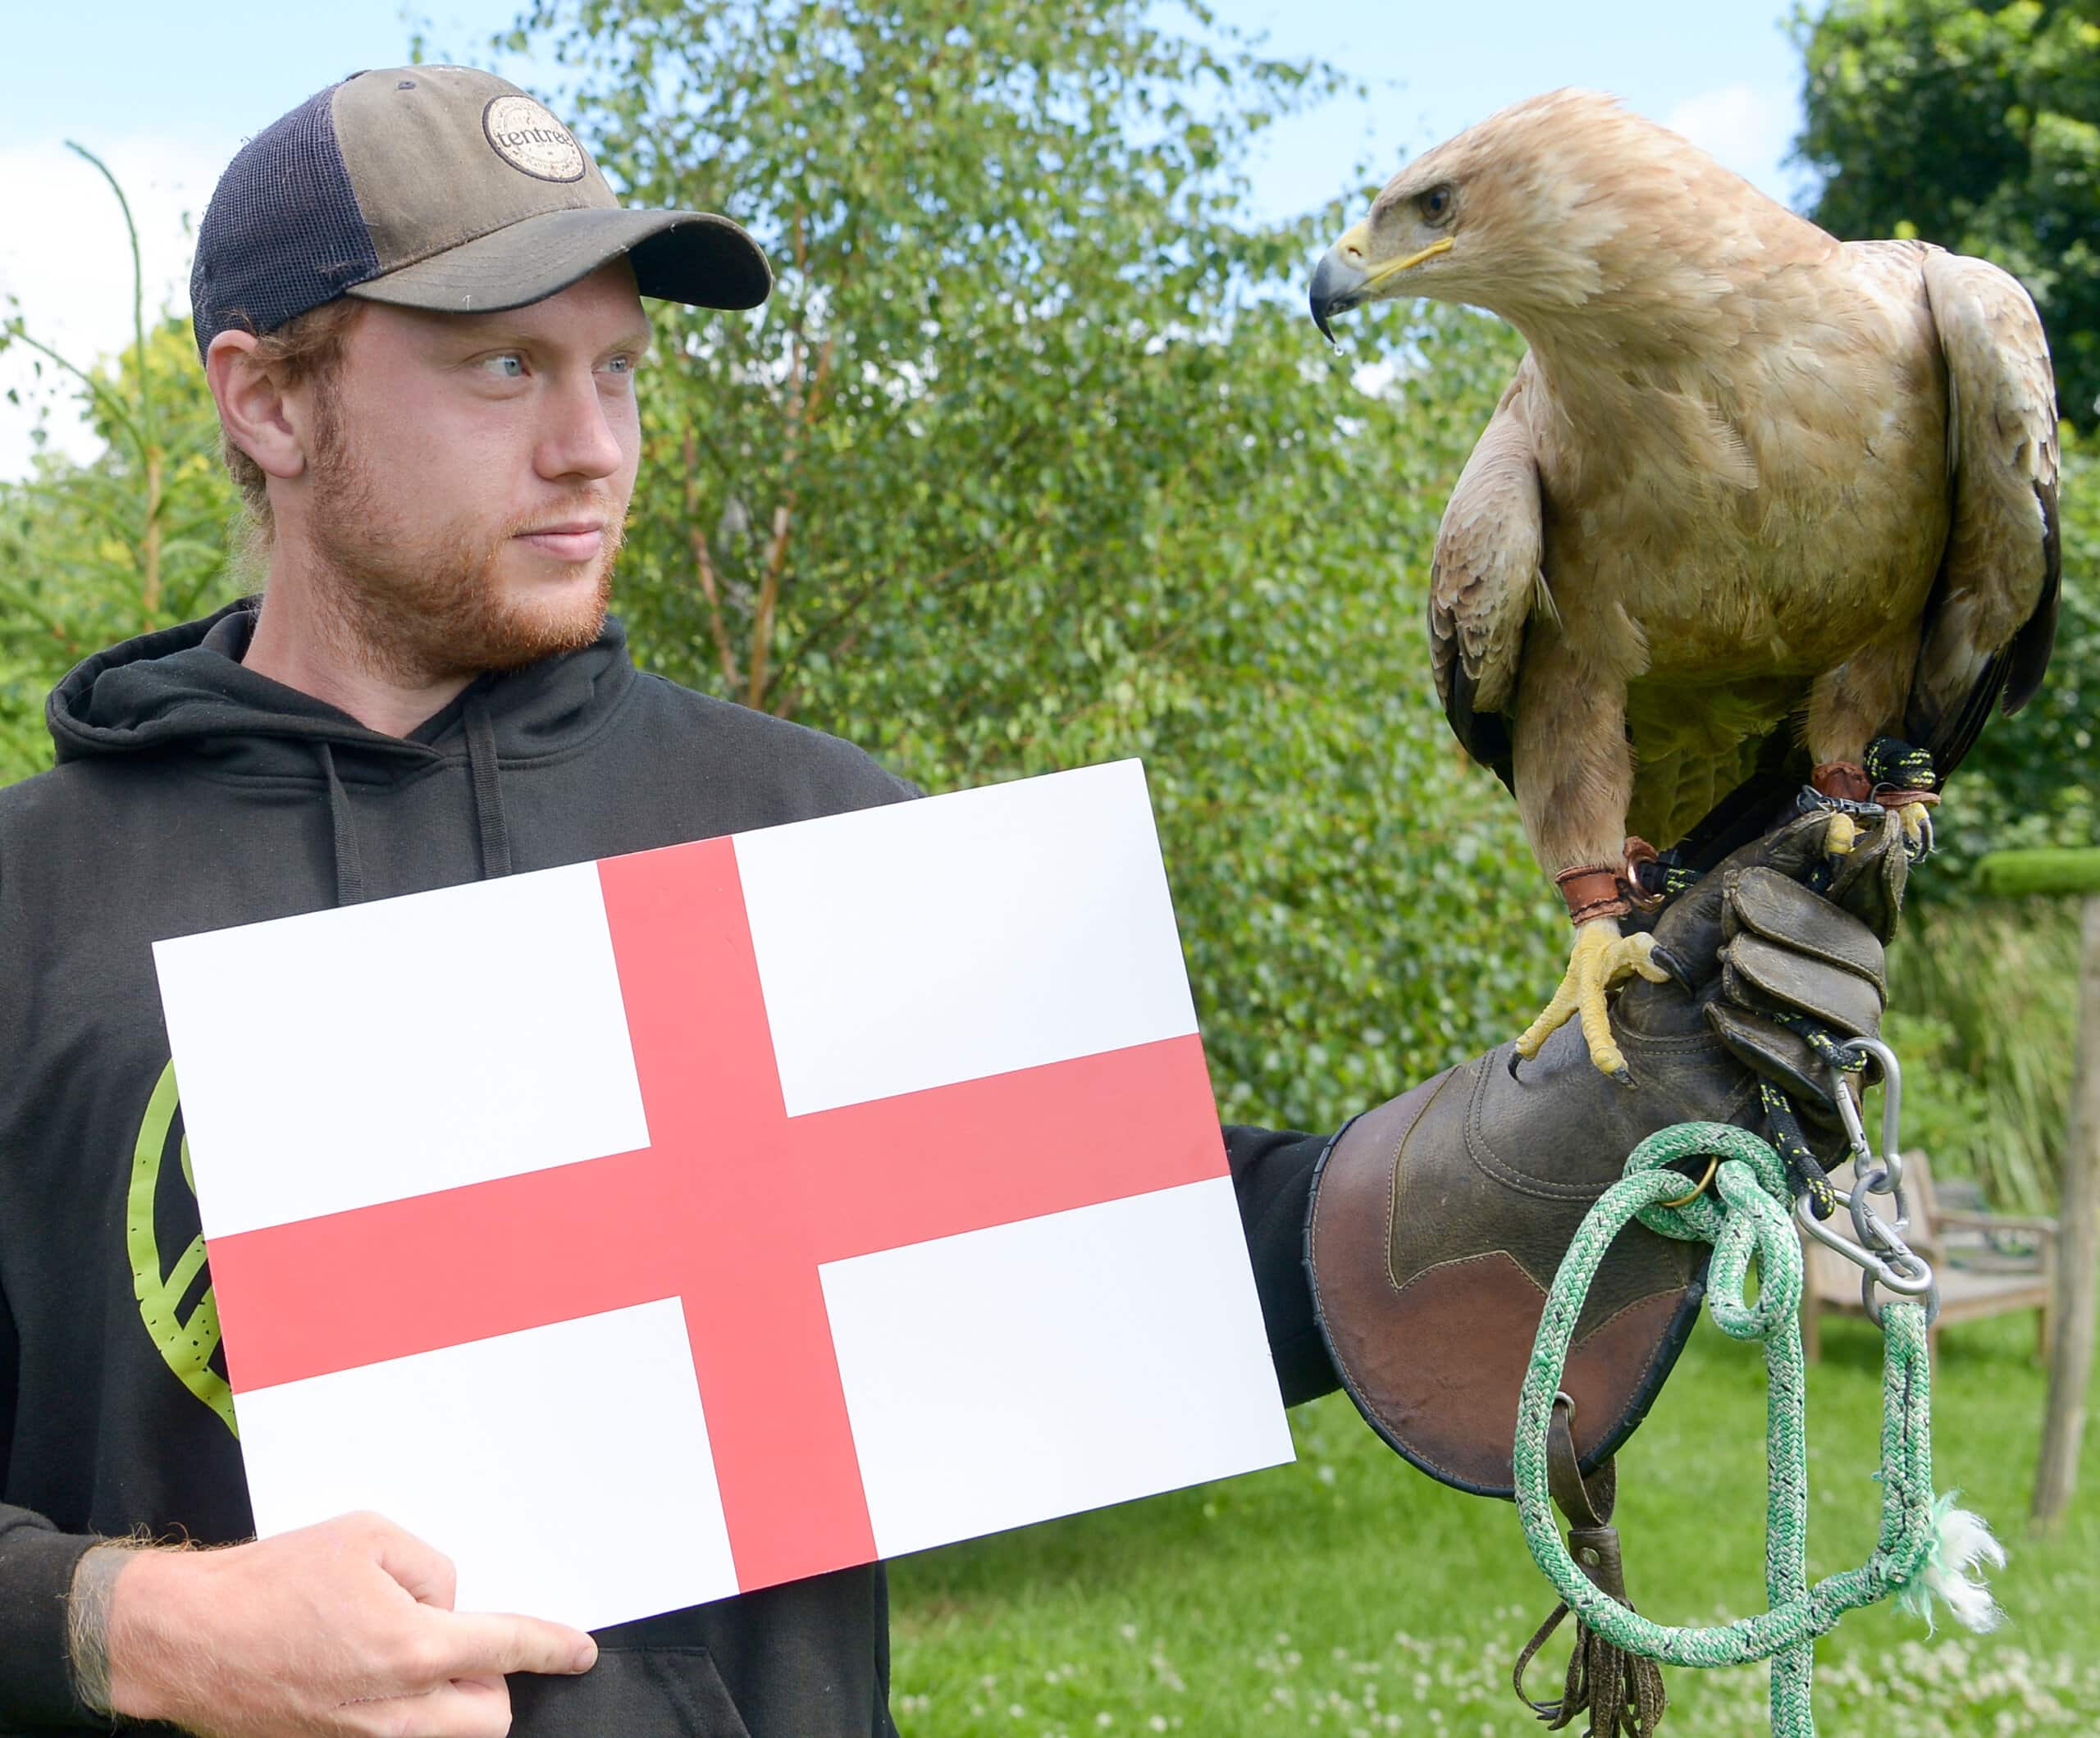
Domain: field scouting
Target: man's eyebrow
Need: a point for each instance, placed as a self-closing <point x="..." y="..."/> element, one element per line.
<point x="497" y="337"/>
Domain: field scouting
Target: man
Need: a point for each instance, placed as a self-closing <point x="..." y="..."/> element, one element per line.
<point x="417" y="304"/>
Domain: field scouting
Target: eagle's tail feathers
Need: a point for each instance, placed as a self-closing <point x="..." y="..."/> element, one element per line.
<point x="2037" y="638"/>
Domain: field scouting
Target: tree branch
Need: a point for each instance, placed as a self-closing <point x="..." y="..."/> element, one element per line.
<point x="116" y="412"/>
<point x="704" y="561"/>
<point x="149" y="548"/>
<point x="783" y="513"/>
<point x="813" y="641"/>
<point x="769" y="597"/>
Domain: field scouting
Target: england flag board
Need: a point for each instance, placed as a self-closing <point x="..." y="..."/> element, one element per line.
<point x="648" y="1230"/>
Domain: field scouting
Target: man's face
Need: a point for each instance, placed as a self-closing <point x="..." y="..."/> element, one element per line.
<point x="470" y="478"/>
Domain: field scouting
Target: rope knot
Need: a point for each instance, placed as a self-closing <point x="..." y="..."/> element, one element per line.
<point x="1749" y="1220"/>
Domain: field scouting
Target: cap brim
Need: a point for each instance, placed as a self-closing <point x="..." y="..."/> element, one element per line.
<point x="692" y="256"/>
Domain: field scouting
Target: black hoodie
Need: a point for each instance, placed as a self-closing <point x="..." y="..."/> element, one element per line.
<point x="191" y="794"/>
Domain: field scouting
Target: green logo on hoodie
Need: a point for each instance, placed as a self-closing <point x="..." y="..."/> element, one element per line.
<point x="187" y="1344"/>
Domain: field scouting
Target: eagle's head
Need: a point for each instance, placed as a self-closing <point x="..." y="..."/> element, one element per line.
<point x="1551" y="206"/>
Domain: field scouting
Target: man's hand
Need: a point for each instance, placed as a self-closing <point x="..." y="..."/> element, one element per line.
<point x="345" y="1629"/>
<point x="1773" y="969"/>
<point x="1439" y="1218"/>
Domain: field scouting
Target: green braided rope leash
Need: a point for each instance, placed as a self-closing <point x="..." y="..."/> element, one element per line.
<point x="1750" y="1222"/>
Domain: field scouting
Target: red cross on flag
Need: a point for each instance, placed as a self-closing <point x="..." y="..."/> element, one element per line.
<point x="647" y="1231"/>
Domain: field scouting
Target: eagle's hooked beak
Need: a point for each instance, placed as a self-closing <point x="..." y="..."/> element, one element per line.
<point x="1335" y="282"/>
<point x="1340" y="282"/>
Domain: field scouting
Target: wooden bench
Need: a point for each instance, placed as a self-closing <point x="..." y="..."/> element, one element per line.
<point x="1986" y="1263"/>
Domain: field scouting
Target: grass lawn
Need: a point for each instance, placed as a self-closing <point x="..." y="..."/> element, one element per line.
<point x="1349" y="1594"/>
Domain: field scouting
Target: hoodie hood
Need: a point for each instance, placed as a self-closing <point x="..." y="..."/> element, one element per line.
<point x="184" y="690"/>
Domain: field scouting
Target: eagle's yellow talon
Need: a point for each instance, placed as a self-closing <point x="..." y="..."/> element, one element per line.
<point x="1840" y="833"/>
<point x="1602" y="957"/>
<point x="1917" y="828"/>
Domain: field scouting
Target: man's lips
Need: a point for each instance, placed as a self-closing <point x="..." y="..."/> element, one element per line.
<point x="571" y="540"/>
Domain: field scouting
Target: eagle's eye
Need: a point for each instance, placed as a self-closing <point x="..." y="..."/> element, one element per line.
<point x="1435" y="205"/>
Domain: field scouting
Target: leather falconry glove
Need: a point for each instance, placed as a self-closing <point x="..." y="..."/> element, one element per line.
<point x="1439" y="1218"/>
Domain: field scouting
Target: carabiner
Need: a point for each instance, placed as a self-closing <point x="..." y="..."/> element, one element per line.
<point x="1912" y="1278"/>
<point x="1929" y="1297"/>
<point x="1890" y="1157"/>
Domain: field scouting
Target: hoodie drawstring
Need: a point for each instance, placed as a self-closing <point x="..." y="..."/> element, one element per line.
<point x="489" y="819"/>
<point x="491" y="826"/>
<point x="349" y="866"/>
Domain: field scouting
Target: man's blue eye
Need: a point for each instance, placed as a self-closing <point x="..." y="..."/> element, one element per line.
<point x="508" y="357"/>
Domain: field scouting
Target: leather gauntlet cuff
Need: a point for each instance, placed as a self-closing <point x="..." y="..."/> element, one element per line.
<point x="1438" y="1220"/>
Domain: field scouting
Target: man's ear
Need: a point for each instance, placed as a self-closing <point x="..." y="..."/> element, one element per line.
<point x="253" y="407"/>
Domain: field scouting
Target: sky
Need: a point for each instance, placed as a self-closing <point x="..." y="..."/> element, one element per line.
<point x="165" y="103"/>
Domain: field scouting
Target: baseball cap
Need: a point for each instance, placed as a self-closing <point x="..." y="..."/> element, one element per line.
<point x="437" y="187"/>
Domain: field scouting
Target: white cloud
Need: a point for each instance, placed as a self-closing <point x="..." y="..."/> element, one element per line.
<point x="1748" y="129"/>
<point x="64" y="254"/>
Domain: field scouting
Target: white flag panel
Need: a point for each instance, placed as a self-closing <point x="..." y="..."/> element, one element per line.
<point x="1007" y="1375"/>
<point x="565" y="1470"/>
<point x="965" y="935"/>
<point x="347" y="1057"/>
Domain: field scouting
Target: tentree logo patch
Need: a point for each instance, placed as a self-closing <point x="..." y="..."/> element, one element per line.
<point x="528" y="138"/>
<point x="175" y="1299"/>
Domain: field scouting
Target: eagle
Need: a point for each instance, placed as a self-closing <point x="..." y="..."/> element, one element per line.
<point x="1760" y="513"/>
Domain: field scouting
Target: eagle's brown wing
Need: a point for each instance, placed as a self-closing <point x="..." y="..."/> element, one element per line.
<point x="1484" y="579"/>
<point x="1992" y="618"/>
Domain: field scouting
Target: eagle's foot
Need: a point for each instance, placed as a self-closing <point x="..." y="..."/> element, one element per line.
<point x="1602" y="958"/>
<point x="1893" y="775"/>
<point x="1904" y="780"/>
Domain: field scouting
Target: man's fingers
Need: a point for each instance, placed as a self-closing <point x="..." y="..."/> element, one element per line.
<point x="1795" y="847"/>
<point x="424" y="1570"/>
<point x="1870" y="882"/>
<point x="1764" y="903"/>
<point x="472" y="1708"/>
<point x="1769" y="977"/>
<point x="1778" y="1055"/>
<point x="489" y="1644"/>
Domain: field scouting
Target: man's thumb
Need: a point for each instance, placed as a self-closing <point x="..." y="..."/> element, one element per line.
<point x="485" y="1643"/>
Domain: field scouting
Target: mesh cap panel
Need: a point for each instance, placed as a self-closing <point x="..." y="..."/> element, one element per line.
<point x="441" y="188"/>
<point x="283" y="232"/>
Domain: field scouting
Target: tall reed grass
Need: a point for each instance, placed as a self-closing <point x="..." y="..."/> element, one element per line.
<point x="1982" y="1004"/>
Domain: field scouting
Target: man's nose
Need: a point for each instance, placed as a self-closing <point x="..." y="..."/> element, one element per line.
<point x="580" y="438"/>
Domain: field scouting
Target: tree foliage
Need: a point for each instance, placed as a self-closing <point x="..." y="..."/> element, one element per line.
<point x="2030" y="780"/>
<point x="135" y="540"/>
<point x="1977" y="126"/>
<point x="1032" y="460"/>
<point x="93" y="554"/>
